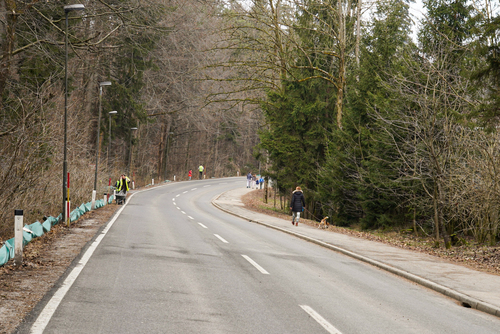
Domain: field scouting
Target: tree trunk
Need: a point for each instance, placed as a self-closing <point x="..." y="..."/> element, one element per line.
<point x="8" y="45"/>
<point x="358" y="31"/>
<point x="341" y="81"/>
<point x="436" y="214"/>
<point x="439" y="200"/>
<point x="161" y="145"/>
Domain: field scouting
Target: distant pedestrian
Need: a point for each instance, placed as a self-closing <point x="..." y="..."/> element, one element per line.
<point x="261" y="182"/>
<point x="257" y="180"/>
<point x="190" y="174"/>
<point x="201" y="169"/>
<point x="297" y="205"/>
<point x="254" y="178"/>
<point x="249" y="179"/>
<point x="123" y="184"/>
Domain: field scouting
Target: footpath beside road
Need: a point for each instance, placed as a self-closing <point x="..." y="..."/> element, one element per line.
<point x="471" y="288"/>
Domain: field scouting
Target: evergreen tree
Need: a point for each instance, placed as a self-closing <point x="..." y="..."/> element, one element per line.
<point x="486" y="74"/>
<point x="298" y="124"/>
<point x="359" y="180"/>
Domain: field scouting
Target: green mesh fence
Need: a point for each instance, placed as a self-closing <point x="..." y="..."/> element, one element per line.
<point x="38" y="229"/>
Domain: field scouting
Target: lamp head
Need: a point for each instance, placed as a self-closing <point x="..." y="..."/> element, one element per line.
<point x="113" y="112"/>
<point x="134" y="128"/>
<point x="105" y="83"/>
<point x="70" y="8"/>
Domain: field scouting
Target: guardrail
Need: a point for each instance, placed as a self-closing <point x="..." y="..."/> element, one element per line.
<point x="37" y="229"/>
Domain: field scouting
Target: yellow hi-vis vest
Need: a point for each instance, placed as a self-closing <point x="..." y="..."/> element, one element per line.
<point x="120" y="183"/>
<point x="200" y="168"/>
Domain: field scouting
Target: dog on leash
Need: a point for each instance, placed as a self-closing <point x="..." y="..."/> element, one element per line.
<point x="323" y="223"/>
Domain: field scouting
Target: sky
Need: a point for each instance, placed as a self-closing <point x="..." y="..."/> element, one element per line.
<point x="416" y="10"/>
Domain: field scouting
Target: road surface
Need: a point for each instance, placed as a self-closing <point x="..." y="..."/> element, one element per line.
<point x="172" y="263"/>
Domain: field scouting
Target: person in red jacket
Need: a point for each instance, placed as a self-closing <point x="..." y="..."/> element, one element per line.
<point x="190" y="174"/>
<point x="297" y="204"/>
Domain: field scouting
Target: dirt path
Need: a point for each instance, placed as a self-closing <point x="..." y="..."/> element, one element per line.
<point x="45" y="260"/>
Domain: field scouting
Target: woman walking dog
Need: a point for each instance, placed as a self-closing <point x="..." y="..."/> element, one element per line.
<point x="297" y="204"/>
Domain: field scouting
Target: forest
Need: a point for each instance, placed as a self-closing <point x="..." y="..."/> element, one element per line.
<point x="381" y="127"/>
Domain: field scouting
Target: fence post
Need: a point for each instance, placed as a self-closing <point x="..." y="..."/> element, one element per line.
<point x="68" y="205"/>
<point x="18" y="237"/>
<point x="94" y="193"/>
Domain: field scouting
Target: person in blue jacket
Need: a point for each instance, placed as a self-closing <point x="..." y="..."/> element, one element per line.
<point x="297" y="204"/>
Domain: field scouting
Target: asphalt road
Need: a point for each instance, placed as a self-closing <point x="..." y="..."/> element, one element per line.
<point x="173" y="263"/>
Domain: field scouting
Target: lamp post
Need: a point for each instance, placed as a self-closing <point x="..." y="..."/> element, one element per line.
<point x="67" y="9"/>
<point x="104" y="83"/>
<point x="109" y="146"/>
<point x="130" y="153"/>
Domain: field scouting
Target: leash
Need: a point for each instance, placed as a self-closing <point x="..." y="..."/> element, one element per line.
<point x="312" y="214"/>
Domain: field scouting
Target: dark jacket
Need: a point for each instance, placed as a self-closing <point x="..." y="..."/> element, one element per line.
<point x="298" y="201"/>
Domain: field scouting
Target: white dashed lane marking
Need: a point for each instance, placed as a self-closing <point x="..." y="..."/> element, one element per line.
<point x="255" y="264"/>
<point x="221" y="239"/>
<point x="325" y="324"/>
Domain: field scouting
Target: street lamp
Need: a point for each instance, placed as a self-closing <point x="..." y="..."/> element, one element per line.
<point x="104" y="83"/>
<point x="130" y="150"/>
<point x="109" y="147"/>
<point x="65" y="211"/>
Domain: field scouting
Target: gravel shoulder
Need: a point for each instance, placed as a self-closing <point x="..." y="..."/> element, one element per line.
<point x="45" y="260"/>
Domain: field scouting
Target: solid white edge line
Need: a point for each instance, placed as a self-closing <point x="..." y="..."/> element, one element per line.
<point x="48" y="311"/>
<point x="255" y="264"/>
<point x="202" y="225"/>
<point x="325" y="324"/>
<point x="221" y="238"/>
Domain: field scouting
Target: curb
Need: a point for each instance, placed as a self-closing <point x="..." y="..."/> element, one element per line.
<point x="465" y="300"/>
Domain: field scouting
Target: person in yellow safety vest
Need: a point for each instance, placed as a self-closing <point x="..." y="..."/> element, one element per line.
<point x="123" y="184"/>
<point x="201" y="169"/>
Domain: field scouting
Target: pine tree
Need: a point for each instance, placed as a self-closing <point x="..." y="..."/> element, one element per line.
<point x="360" y="175"/>
<point x="298" y="125"/>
